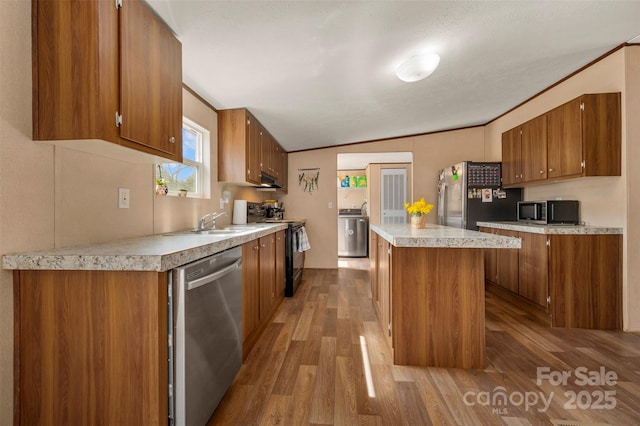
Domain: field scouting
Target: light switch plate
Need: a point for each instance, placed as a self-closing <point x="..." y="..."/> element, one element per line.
<point x="123" y="198"/>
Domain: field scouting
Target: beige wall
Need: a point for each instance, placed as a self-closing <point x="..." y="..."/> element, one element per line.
<point x="26" y="171"/>
<point x="632" y="233"/>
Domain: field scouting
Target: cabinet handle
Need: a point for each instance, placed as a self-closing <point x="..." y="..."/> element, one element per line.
<point x="263" y="245"/>
<point x="256" y="248"/>
<point x="541" y="172"/>
<point x="172" y="139"/>
<point x="550" y="170"/>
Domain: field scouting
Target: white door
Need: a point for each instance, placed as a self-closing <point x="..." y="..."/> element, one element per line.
<point x="393" y="195"/>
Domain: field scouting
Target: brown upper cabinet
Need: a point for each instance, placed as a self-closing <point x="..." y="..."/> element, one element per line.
<point x="103" y="72"/>
<point x="246" y="150"/>
<point x="583" y="138"/>
<point x="524" y="152"/>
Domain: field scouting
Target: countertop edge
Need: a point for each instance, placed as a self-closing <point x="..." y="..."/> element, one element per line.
<point x="161" y="262"/>
<point x="436" y="236"/>
<point x="551" y="229"/>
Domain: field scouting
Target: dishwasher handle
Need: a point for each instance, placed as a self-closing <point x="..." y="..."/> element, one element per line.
<point x="215" y="276"/>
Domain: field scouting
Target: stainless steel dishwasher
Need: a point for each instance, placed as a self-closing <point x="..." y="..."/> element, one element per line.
<point x="206" y="307"/>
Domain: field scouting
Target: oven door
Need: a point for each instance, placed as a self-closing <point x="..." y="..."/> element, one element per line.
<point x="294" y="261"/>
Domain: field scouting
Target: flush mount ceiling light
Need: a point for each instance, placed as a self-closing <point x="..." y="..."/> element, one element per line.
<point x="417" y="67"/>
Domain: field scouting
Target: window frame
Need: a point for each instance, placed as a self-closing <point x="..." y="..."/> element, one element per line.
<point x="203" y="168"/>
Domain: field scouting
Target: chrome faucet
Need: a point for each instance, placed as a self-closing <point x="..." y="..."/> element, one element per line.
<point x="210" y="219"/>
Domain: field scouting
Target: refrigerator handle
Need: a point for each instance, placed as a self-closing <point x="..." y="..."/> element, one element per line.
<point x="442" y="199"/>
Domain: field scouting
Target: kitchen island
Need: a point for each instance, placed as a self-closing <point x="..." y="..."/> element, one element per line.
<point x="428" y="286"/>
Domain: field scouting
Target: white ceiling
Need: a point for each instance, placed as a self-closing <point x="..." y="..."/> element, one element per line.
<point x="321" y="73"/>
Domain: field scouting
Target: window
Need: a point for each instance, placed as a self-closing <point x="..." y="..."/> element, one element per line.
<point x="193" y="173"/>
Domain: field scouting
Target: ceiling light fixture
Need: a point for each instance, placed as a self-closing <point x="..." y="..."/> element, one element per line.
<point x="417" y="67"/>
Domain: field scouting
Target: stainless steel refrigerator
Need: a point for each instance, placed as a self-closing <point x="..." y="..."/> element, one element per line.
<point x="469" y="192"/>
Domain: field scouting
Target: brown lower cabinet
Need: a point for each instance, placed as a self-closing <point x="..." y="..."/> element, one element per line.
<point x="90" y="347"/>
<point x="577" y="278"/>
<point x="262" y="285"/>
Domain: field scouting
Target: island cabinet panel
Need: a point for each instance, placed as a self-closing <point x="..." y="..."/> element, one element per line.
<point x="532" y="272"/>
<point x="90" y="347"/>
<point x="501" y="268"/>
<point x="373" y="265"/>
<point x="438" y="307"/>
<point x="585" y="276"/>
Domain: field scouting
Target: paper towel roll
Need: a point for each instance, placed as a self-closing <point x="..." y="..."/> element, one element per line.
<point x="239" y="212"/>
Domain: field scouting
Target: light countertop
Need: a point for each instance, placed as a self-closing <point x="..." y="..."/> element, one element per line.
<point x="551" y="229"/>
<point x="151" y="253"/>
<point x="442" y="236"/>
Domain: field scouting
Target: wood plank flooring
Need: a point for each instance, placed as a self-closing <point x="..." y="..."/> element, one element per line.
<point x="311" y="368"/>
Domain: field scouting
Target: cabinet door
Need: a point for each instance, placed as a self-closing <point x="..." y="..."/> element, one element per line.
<point x="150" y="81"/>
<point x="277" y="160"/>
<point x="602" y="134"/>
<point x="585" y="281"/>
<point x="534" y="149"/>
<point x="284" y="171"/>
<point x="267" y="275"/>
<point x="533" y="274"/>
<point x="382" y="271"/>
<point x="373" y="261"/>
<point x="384" y="286"/>
<point x="253" y="150"/>
<point x="65" y="38"/>
<point x="507" y="264"/>
<point x="490" y="271"/>
<point x="280" y="265"/>
<point x="564" y="140"/>
<point x="250" y="287"/>
<point x="511" y="157"/>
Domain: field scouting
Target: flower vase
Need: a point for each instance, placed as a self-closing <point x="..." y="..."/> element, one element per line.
<point x="417" y="222"/>
<point x="162" y="189"/>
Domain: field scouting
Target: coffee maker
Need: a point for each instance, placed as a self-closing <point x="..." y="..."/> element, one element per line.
<point x="274" y="209"/>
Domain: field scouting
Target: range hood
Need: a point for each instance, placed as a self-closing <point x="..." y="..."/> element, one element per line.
<point x="267" y="181"/>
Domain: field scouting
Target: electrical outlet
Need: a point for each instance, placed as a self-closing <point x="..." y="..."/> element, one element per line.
<point x="123" y="198"/>
<point x="329" y="205"/>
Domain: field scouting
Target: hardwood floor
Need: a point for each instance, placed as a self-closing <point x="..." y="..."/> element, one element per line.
<point x="312" y="366"/>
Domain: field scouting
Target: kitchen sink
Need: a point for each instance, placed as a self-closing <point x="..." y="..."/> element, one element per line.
<point x="226" y="231"/>
<point x="216" y="231"/>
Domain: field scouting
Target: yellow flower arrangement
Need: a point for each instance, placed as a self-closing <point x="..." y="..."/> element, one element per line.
<point x="418" y="208"/>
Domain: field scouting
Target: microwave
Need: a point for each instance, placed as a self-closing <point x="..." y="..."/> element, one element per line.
<point x="551" y="212"/>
